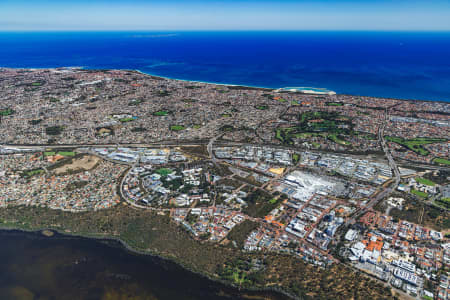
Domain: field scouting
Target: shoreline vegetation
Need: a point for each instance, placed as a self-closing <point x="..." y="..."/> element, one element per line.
<point x="55" y="233"/>
<point x="150" y="233"/>
<point x="50" y="231"/>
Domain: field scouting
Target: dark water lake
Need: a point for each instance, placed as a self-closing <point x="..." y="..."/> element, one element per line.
<point x="33" y="266"/>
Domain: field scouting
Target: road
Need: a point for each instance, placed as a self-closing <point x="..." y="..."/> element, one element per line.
<point x="209" y="143"/>
<point x="396" y="179"/>
<point x="210" y="148"/>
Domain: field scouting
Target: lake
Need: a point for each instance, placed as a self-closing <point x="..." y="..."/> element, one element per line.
<point x="62" y="267"/>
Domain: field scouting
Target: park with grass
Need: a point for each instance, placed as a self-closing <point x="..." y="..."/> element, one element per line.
<point x="279" y="99"/>
<point x="329" y="125"/>
<point x="126" y="120"/>
<point x="31" y="173"/>
<point x="6" y="112"/>
<point x="425" y="181"/>
<point x="334" y="103"/>
<point x="66" y="153"/>
<point x="415" y="144"/>
<point x="441" y="161"/>
<point x="164" y="171"/>
<point x="62" y="153"/>
<point x="419" y="193"/>
<point x="161" y="113"/>
<point x="177" y="127"/>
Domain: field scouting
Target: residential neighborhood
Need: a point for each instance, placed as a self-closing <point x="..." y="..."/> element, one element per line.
<point x="331" y="180"/>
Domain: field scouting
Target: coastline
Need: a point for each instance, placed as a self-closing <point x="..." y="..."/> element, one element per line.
<point x="132" y="251"/>
<point x="273" y="89"/>
<point x="198" y="81"/>
<point x="154" y="76"/>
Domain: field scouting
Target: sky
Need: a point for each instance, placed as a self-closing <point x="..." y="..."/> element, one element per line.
<point x="178" y="15"/>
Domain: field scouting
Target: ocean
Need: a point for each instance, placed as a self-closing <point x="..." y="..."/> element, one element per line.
<point x="405" y="65"/>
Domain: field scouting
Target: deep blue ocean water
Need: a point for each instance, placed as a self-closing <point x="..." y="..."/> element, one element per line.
<point x="384" y="64"/>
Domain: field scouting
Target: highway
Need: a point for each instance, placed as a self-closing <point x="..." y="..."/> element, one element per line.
<point x="396" y="179"/>
<point x="209" y="144"/>
<point x="210" y="149"/>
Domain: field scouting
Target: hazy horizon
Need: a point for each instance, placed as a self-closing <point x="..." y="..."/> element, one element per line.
<point x="221" y="15"/>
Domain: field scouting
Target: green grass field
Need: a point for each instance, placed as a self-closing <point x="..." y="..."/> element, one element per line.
<point x="285" y="135"/>
<point x="6" y="112"/>
<point x="425" y="181"/>
<point x="62" y="153"/>
<point x="441" y="161"/>
<point x="281" y="132"/>
<point x="161" y="113"/>
<point x="66" y="153"/>
<point x="329" y="125"/>
<point x="273" y="201"/>
<point x="419" y="193"/>
<point x="31" y="173"/>
<point x="125" y="120"/>
<point x="164" y="172"/>
<point x="334" y="104"/>
<point x="177" y="127"/>
<point x="415" y="144"/>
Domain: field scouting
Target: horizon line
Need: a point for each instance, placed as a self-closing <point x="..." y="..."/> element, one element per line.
<point x="222" y="30"/>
